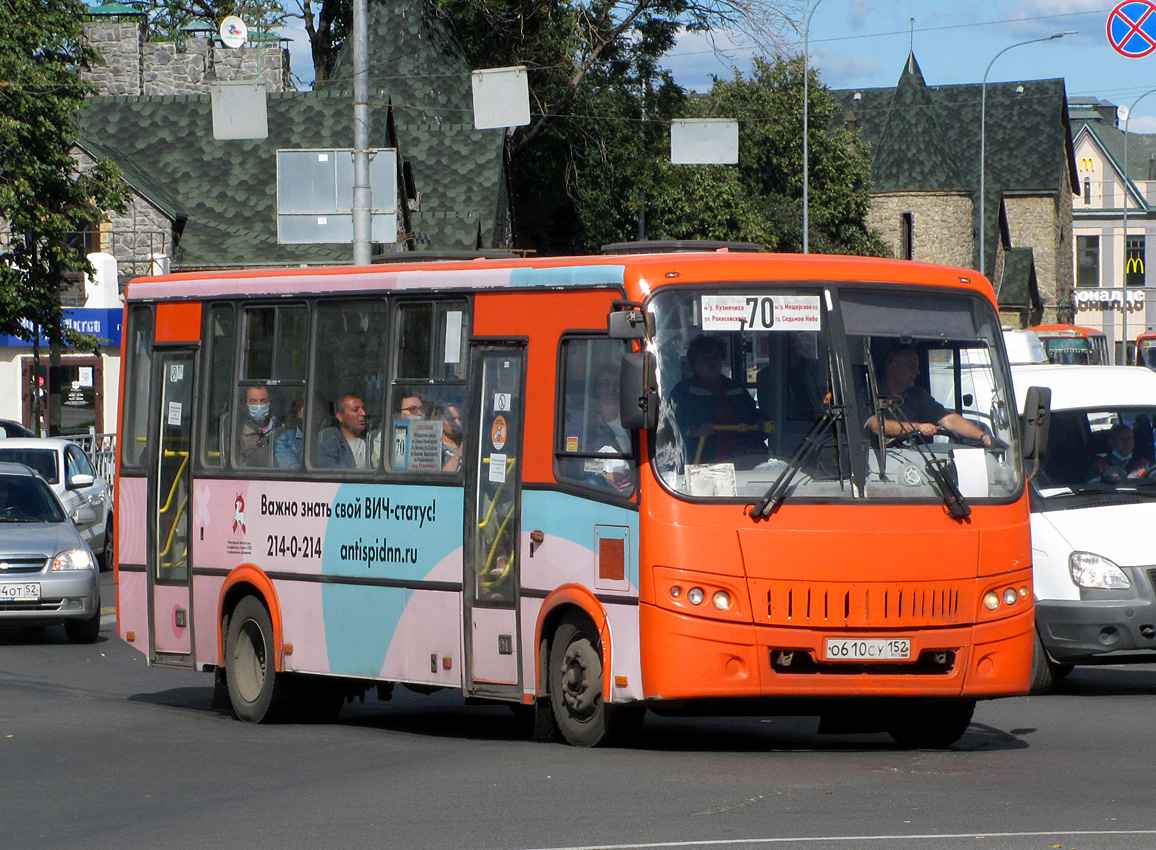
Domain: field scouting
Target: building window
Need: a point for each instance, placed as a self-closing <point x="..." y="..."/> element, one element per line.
<point x="1087" y="191"/>
<point x="1087" y="261"/>
<point x="1134" y="262"/>
<point x="907" y="236"/>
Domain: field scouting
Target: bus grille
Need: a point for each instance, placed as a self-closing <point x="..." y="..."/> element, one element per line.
<point x="863" y="604"/>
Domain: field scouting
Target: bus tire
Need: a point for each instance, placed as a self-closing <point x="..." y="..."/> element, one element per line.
<point x="1043" y="669"/>
<point x="256" y="693"/>
<point x="930" y="724"/>
<point x="576" y="683"/>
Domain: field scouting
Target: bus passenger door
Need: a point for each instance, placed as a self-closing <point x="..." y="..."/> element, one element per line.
<point x="492" y="533"/>
<point x="170" y="504"/>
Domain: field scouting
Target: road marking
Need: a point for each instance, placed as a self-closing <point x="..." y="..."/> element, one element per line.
<point x="978" y="836"/>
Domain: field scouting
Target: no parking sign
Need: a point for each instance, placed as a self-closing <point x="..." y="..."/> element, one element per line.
<point x="1132" y="28"/>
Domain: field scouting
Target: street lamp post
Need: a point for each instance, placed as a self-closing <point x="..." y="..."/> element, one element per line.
<point x="983" y="136"/>
<point x="1124" y="297"/>
<point x="806" y="162"/>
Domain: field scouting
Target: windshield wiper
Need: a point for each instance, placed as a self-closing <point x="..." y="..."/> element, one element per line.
<point x="775" y="494"/>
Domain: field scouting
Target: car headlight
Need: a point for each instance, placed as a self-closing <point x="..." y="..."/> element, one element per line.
<point x="73" y="559"/>
<point x="1094" y="572"/>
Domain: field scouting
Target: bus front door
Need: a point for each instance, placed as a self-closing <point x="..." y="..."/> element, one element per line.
<point x="492" y="533"/>
<point x="170" y="505"/>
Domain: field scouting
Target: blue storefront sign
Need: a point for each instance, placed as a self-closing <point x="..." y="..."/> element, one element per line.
<point x="102" y="323"/>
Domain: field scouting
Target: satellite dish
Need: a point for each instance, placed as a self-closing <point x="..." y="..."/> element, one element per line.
<point x="1122" y="112"/>
<point x="233" y="31"/>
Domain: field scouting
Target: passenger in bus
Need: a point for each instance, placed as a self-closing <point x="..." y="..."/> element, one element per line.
<point x="344" y="447"/>
<point x="412" y="407"/>
<point x="716" y="415"/>
<point x="255" y="436"/>
<point x="287" y="450"/>
<point x="917" y="411"/>
<point x="452" y="444"/>
<point x="597" y="429"/>
<point x="1120" y="456"/>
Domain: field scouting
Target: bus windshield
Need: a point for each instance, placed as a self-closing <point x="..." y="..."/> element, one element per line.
<point x="854" y="393"/>
<point x="1070" y="351"/>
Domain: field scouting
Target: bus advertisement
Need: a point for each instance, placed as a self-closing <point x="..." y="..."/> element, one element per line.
<point x="588" y="487"/>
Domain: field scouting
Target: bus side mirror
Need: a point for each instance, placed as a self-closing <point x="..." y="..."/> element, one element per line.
<point x="637" y="399"/>
<point x="1035" y="421"/>
<point x="630" y="323"/>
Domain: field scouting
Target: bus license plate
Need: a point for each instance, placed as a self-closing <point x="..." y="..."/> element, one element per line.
<point x="868" y="649"/>
<point x="21" y="592"/>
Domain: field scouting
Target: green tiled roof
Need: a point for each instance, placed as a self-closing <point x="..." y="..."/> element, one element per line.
<point x="227" y="189"/>
<point x="897" y="164"/>
<point x="927" y="138"/>
<point x="1018" y="288"/>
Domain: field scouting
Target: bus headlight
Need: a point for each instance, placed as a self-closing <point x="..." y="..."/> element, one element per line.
<point x="991" y="600"/>
<point x="1094" y="572"/>
<point x="695" y="596"/>
<point x="721" y="600"/>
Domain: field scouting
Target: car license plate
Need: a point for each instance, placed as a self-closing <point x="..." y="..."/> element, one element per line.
<point x="868" y="649"/>
<point x="20" y="591"/>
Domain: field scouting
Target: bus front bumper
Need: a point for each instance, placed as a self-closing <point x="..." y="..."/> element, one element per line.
<point x="696" y="658"/>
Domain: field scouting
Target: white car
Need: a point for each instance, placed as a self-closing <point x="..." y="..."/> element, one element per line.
<point x="68" y="471"/>
<point x="1093" y="515"/>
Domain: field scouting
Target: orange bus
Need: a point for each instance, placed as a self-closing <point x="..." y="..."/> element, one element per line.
<point x="1071" y="345"/>
<point x="587" y="487"/>
<point x="1146" y="350"/>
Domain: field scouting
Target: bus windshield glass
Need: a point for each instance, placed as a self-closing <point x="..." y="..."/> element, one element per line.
<point x="1070" y="351"/>
<point x="832" y="391"/>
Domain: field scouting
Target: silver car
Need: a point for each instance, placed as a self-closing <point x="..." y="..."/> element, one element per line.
<point x="68" y="471"/>
<point x="48" y="575"/>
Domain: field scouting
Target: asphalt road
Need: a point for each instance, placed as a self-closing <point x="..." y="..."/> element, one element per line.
<point x="98" y="750"/>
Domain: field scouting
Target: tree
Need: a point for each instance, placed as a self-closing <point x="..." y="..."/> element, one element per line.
<point x="760" y="199"/>
<point x="43" y="198"/>
<point x="599" y="100"/>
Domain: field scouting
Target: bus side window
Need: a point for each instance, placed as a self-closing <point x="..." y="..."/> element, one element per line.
<point x="272" y="375"/>
<point x="220" y="336"/>
<point x="592" y="446"/>
<point x="138" y="373"/>
<point x="345" y="420"/>
<point x="426" y="414"/>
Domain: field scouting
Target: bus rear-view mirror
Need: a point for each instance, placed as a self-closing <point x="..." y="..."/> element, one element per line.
<point x="637" y="399"/>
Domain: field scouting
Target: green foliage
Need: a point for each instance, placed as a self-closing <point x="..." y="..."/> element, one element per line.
<point x="761" y="199"/>
<point x="597" y="147"/>
<point x="43" y="200"/>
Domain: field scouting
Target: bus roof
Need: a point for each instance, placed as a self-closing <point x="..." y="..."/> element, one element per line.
<point x="1065" y="330"/>
<point x="639" y="274"/>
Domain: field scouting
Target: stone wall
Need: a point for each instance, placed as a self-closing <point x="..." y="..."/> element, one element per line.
<point x="1036" y="221"/>
<point x="135" y="235"/>
<point x="941" y="225"/>
<point x="132" y="65"/>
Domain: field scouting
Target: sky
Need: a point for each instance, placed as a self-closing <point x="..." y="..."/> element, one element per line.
<point x="864" y="44"/>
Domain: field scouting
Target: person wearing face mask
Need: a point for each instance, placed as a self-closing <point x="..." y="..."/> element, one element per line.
<point x="255" y="436"/>
<point x="1121" y="455"/>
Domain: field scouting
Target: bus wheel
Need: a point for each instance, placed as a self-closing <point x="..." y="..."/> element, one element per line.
<point x="576" y="684"/>
<point x="256" y="692"/>
<point x="931" y="724"/>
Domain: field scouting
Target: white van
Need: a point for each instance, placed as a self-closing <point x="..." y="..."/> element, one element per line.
<point x="1094" y="519"/>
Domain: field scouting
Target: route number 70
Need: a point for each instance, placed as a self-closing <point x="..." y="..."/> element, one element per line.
<point x="761" y="313"/>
